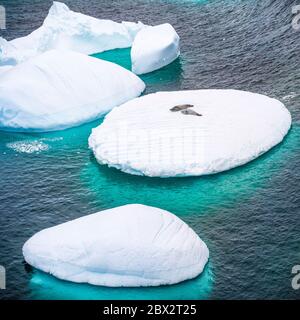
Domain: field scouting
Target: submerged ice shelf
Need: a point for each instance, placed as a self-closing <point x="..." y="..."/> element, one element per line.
<point x="130" y="246"/>
<point x="60" y="89"/>
<point x="212" y="131"/>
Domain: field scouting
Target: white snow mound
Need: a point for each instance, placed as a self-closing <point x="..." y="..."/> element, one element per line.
<point x="220" y="130"/>
<point x="60" y="89"/>
<point x="65" y="29"/>
<point x="154" y="48"/>
<point x="132" y="245"/>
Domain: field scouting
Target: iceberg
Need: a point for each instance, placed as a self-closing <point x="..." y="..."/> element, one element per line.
<point x="189" y="133"/>
<point x="60" y="89"/>
<point x="154" y="48"/>
<point x="131" y="246"/>
<point x="65" y="29"/>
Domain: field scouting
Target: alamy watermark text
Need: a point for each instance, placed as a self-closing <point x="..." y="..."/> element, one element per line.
<point x="2" y="278"/>
<point x="2" y="18"/>
<point x="296" y="17"/>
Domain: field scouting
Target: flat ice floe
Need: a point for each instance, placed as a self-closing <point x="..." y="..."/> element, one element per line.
<point x="132" y="245"/>
<point x="60" y="89"/>
<point x="66" y="29"/>
<point x="154" y="48"/>
<point x="189" y="133"/>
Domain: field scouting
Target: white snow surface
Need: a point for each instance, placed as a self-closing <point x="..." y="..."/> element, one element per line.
<point x="154" y="48"/>
<point x="144" y="137"/>
<point x="66" y="29"/>
<point x="4" y="69"/>
<point x="60" y="89"/>
<point x="132" y="245"/>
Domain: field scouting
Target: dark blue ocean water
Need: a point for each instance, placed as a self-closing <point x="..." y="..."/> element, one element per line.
<point x="249" y="217"/>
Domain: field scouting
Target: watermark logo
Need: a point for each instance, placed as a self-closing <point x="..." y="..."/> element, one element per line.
<point x="2" y="278"/>
<point x="296" y="278"/>
<point x="2" y="18"/>
<point x="7" y="114"/>
<point x="172" y="147"/>
<point x="296" y="19"/>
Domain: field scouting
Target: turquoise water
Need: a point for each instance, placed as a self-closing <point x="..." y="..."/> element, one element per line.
<point x="44" y="286"/>
<point x="214" y="203"/>
<point x="164" y="79"/>
<point x="248" y="216"/>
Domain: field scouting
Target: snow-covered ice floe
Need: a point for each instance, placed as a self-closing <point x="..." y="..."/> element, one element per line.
<point x="60" y="89"/>
<point x="154" y="48"/>
<point x="132" y="245"/>
<point x="189" y="133"/>
<point x="65" y="29"/>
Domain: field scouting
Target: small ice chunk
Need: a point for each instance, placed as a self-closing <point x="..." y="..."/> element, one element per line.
<point x="154" y="48"/>
<point x="28" y="146"/>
